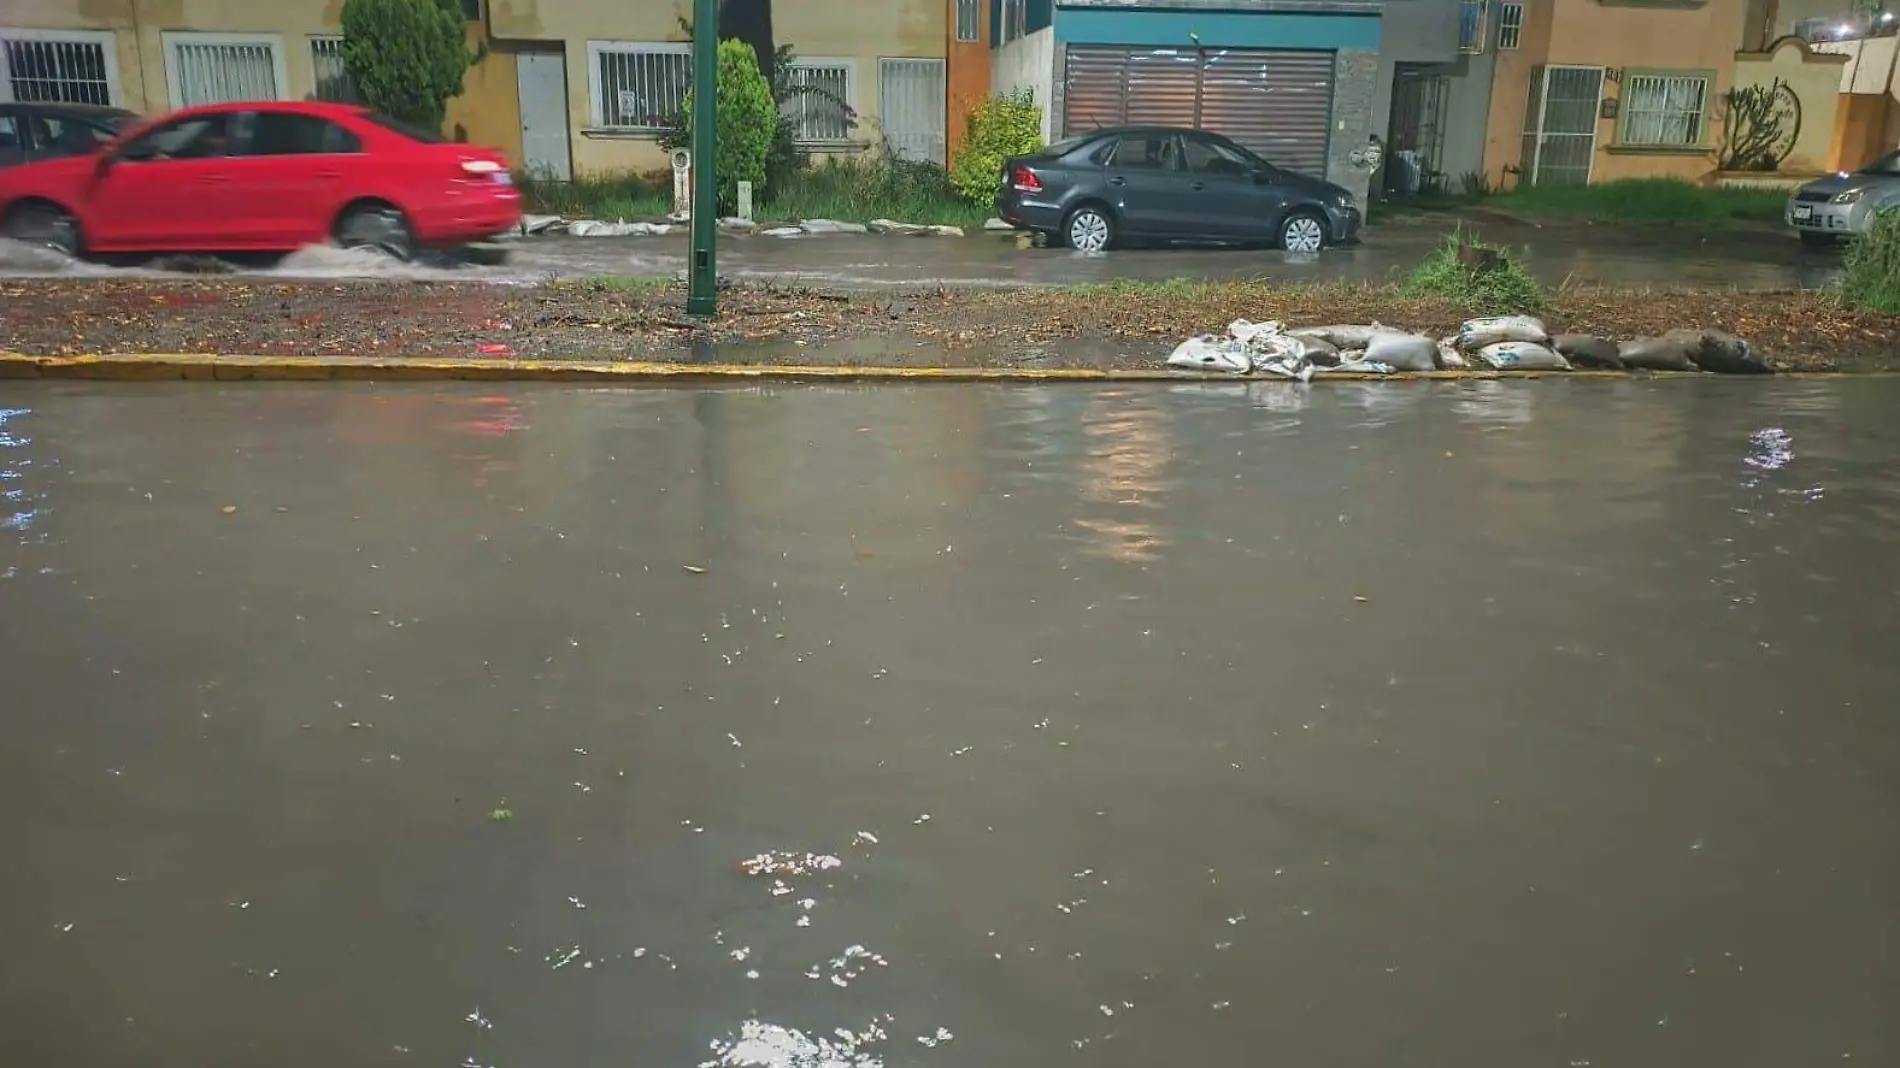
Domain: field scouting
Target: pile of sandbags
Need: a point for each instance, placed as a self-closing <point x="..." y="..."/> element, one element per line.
<point x="1503" y="343"/>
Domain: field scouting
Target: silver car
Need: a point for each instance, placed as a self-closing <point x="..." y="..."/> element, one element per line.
<point x="1842" y="205"/>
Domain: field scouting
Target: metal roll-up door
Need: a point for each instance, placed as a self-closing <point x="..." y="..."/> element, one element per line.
<point x="1095" y="86"/>
<point x="1162" y="86"/>
<point x="1278" y="103"/>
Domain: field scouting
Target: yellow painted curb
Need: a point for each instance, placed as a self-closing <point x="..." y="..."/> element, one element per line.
<point x="155" y="367"/>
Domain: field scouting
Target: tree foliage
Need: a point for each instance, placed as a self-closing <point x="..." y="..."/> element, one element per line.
<point x="407" y="57"/>
<point x="747" y="120"/>
<point x="1005" y="125"/>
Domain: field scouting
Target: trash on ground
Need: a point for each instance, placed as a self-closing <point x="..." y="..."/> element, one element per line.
<point x="832" y="226"/>
<point x="1248" y="348"/>
<point x="1587" y="350"/>
<point x="1655" y="354"/>
<point x="1475" y="334"/>
<point x="1522" y="356"/>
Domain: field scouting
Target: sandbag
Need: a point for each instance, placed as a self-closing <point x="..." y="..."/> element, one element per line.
<point x="1522" y="356"/>
<point x="1475" y="334"/>
<point x="1720" y="351"/>
<point x="1588" y="350"/>
<point x="1655" y="354"/>
<point x="1343" y="337"/>
<point x="1449" y="358"/>
<point x="1319" y="351"/>
<point x="1402" y="352"/>
<point x="1205" y="352"/>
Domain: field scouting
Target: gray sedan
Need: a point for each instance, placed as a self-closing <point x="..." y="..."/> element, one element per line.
<point x="1843" y="205"/>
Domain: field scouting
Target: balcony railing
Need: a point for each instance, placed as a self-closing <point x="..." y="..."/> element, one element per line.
<point x="1474" y="18"/>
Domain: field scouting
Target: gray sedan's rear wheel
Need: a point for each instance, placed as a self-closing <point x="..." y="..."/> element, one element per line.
<point x="1089" y="229"/>
<point x="1303" y="231"/>
<point x="45" y="226"/>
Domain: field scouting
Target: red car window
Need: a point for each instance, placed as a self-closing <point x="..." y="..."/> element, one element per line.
<point x="280" y="133"/>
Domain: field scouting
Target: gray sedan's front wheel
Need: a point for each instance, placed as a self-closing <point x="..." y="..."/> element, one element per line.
<point x="1303" y="231"/>
<point x="1813" y="239"/>
<point x="1089" y="229"/>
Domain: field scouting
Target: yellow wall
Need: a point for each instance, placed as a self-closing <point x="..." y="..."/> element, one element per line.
<point x="1622" y="36"/>
<point x="487" y="110"/>
<point x="1815" y="79"/>
<point x="863" y="33"/>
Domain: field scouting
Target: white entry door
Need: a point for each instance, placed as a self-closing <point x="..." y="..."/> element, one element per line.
<point x="910" y="96"/>
<point x="541" y="85"/>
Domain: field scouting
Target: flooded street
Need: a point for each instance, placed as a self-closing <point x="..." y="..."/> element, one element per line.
<point x="1485" y="723"/>
<point x="1557" y="255"/>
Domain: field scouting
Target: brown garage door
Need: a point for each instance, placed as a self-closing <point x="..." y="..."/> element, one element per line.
<point x="1278" y="103"/>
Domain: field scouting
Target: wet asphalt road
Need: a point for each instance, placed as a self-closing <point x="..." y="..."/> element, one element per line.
<point x="1557" y="255"/>
<point x="1530" y="723"/>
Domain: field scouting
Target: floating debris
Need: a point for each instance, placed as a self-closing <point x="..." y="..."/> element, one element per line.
<point x="787" y="863"/>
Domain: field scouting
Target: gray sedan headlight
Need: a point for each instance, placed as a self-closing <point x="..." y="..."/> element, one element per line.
<point x="1850" y="197"/>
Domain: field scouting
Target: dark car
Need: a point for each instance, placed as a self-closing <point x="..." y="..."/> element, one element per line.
<point x="33" y="132"/>
<point x="1162" y="183"/>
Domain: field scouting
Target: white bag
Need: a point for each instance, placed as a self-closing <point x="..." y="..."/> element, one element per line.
<point x="1402" y="352"/>
<point x="1522" y="356"/>
<point x="1205" y="352"/>
<point x="1477" y="333"/>
<point x="1343" y="337"/>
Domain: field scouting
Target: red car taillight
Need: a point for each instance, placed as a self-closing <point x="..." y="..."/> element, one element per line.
<point x="1024" y="180"/>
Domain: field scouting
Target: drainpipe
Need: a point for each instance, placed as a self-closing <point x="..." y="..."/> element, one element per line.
<point x="1886" y="95"/>
<point x="138" y="55"/>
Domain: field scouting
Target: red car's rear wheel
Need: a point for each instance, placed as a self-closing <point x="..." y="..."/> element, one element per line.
<point x="379" y="227"/>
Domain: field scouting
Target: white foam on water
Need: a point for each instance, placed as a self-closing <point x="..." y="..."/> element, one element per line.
<point x="764" y="1045"/>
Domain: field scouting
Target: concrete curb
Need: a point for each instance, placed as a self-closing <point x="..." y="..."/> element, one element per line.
<point x="158" y="367"/>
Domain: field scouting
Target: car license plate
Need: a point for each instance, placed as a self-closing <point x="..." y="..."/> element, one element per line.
<point x="504" y="178"/>
<point x="1803" y="213"/>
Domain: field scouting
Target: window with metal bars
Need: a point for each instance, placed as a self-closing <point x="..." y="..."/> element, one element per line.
<point x="1015" y="19"/>
<point x="1663" y="110"/>
<point x="820" y="105"/>
<point x="1510" y="26"/>
<point x="216" y="68"/>
<point x="969" y="19"/>
<point x="638" y="86"/>
<point x="43" y="66"/>
<point x="331" y="76"/>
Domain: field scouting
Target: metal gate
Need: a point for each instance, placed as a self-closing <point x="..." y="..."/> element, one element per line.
<point x="910" y="95"/>
<point x="1278" y="103"/>
<point x="1418" y="119"/>
<point x="1560" y="125"/>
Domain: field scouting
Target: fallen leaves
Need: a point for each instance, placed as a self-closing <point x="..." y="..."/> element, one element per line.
<point x="1109" y="326"/>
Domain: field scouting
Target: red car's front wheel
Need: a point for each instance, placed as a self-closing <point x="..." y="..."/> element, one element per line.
<point x="44" y="225"/>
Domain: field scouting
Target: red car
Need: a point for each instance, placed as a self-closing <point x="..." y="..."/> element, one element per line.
<point x="263" y="177"/>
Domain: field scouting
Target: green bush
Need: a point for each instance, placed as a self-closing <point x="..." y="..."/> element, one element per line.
<point x="1482" y="279"/>
<point x="406" y="57"/>
<point x="1871" y="277"/>
<point x="748" y="120"/>
<point x="1005" y="125"/>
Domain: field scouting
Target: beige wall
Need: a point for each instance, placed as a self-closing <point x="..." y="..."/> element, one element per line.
<point x="1621" y="36"/>
<point x="487" y="110"/>
<point x="1815" y="79"/>
<point x="861" y="33"/>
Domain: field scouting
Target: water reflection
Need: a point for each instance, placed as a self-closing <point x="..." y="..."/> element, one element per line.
<point x="829" y="727"/>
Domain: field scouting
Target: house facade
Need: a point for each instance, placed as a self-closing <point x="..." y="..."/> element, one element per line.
<point x="1436" y="61"/>
<point x="1295" y="80"/>
<point x="1596" y="90"/>
<point x="566" y="86"/>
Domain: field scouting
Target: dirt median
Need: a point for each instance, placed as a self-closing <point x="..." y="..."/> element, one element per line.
<point x="1114" y="326"/>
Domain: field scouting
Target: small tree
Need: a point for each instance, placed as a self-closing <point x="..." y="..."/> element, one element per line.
<point x="748" y="118"/>
<point x="1005" y="125"/>
<point x="407" y="57"/>
<point x="1760" y="127"/>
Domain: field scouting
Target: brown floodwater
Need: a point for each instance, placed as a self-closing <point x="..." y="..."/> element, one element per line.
<point x="1494" y="723"/>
